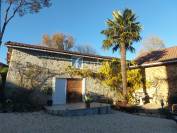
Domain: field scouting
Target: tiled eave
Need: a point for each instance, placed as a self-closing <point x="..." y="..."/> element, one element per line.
<point x="153" y="64"/>
<point x="54" y="51"/>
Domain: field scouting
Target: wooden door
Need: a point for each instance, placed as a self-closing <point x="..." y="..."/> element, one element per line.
<point x="74" y="90"/>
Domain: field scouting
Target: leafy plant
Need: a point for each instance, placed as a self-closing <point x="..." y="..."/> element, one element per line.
<point x="109" y="74"/>
<point x="88" y="98"/>
<point x="3" y="70"/>
<point x="48" y="91"/>
<point x="121" y="32"/>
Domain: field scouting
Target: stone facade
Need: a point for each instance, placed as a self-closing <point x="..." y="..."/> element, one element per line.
<point x="33" y="70"/>
<point x="161" y="82"/>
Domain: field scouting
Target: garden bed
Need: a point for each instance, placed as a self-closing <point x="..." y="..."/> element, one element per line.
<point x="139" y="110"/>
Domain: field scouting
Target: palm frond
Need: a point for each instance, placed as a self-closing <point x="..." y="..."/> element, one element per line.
<point x="107" y="44"/>
<point x="115" y="48"/>
<point x="122" y="29"/>
<point x="131" y="49"/>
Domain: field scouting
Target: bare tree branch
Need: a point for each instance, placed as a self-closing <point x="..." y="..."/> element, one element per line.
<point x="7" y="12"/>
<point x="6" y="19"/>
<point x="15" y="11"/>
<point x="21" y="7"/>
<point x="5" y="22"/>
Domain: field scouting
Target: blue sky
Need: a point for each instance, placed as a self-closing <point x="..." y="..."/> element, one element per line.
<point x="84" y="20"/>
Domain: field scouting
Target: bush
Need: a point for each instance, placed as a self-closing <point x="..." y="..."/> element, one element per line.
<point x="11" y="106"/>
<point x="127" y="107"/>
<point x="109" y="74"/>
<point x="20" y="102"/>
<point x="21" y="96"/>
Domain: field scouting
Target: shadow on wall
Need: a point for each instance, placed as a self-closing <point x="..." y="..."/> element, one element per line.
<point x="153" y="56"/>
<point x="31" y="82"/>
<point x="2" y="86"/>
<point x="30" y="76"/>
<point x="171" y="71"/>
<point x="144" y="82"/>
<point x="162" y="84"/>
<point x="37" y="97"/>
<point x="20" y="95"/>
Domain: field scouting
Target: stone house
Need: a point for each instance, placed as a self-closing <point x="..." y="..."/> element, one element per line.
<point x="39" y="68"/>
<point x="159" y="71"/>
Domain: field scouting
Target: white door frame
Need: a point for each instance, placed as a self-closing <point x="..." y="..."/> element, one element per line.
<point x="54" y="88"/>
<point x="83" y="89"/>
<point x="54" y="97"/>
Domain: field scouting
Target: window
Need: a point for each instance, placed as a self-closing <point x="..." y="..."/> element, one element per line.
<point x="77" y="62"/>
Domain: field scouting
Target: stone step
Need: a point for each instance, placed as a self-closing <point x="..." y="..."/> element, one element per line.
<point x="79" y="109"/>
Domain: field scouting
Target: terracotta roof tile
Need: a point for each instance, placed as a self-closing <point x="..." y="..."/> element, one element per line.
<point x="164" y="55"/>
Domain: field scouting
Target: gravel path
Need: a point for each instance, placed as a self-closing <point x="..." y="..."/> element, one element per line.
<point x="118" y="122"/>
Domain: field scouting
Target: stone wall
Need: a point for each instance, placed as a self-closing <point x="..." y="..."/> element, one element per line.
<point x="33" y="70"/>
<point x="161" y="82"/>
<point x="26" y="64"/>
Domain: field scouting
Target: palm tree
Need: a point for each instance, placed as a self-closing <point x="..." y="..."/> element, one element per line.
<point x="120" y="34"/>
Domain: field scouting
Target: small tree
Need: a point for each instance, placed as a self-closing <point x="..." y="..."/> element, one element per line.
<point x="152" y="43"/>
<point x="58" y="41"/>
<point x="85" y="49"/>
<point x="122" y="31"/>
<point x="21" y="7"/>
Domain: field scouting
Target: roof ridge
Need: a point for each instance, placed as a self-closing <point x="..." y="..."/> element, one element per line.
<point x="148" y="52"/>
<point x="39" y="47"/>
<point x="165" y="54"/>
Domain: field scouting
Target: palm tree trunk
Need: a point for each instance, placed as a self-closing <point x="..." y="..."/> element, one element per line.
<point x="123" y="69"/>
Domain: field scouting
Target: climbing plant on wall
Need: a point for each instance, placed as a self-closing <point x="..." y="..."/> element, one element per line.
<point x="110" y="74"/>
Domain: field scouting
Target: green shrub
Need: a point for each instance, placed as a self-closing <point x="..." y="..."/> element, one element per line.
<point x="20" y="102"/>
<point x="109" y="74"/>
<point x="48" y="91"/>
<point x="127" y="107"/>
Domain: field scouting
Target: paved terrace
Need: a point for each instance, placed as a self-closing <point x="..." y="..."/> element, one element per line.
<point x="118" y="122"/>
<point x="79" y="109"/>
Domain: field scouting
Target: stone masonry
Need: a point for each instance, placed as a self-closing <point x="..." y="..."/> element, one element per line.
<point x="163" y="82"/>
<point x="33" y="70"/>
